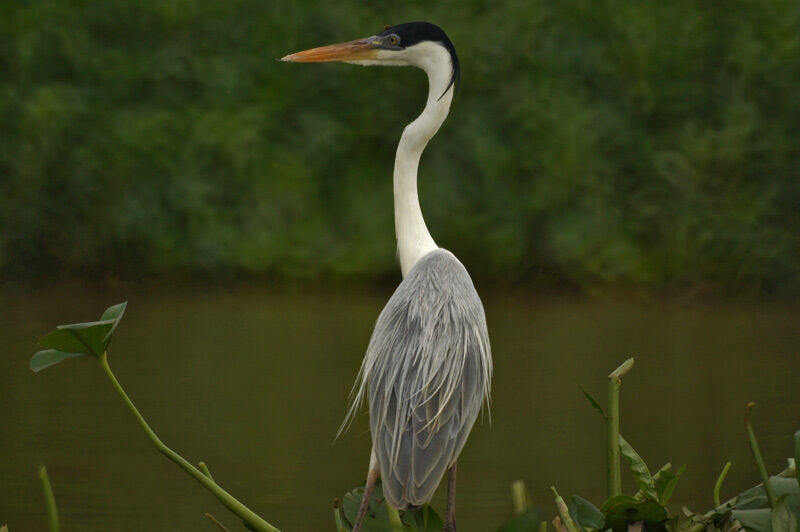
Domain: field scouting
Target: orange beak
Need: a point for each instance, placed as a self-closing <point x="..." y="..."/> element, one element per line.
<point x="346" y="51"/>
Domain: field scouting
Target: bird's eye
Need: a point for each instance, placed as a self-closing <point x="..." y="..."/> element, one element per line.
<point x="394" y="40"/>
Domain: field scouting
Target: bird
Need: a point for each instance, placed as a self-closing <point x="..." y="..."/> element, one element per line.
<point x="428" y="367"/>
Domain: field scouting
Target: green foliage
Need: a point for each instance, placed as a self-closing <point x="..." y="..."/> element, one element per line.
<point x="650" y="143"/>
<point x="665" y="482"/>
<point x="92" y="339"/>
<point x="49" y="357"/>
<point x="585" y="513"/>
<point x="424" y="519"/>
<point x="640" y="471"/>
<point x="78" y="339"/>
<point x="782" y="517"/>
<point x="526" y="522"/>
<point x="755" y="520"/>
<point x="621" y="510"/>
<point x="781" y="493"/>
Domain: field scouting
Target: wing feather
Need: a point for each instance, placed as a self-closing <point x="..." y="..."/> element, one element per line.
<point x="426" y="373"/>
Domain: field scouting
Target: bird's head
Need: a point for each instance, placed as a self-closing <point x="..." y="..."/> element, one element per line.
<point x="419" y="44"/>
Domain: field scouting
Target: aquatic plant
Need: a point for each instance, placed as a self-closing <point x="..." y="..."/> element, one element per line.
<point x="92" y="339"/>
<point x="772" y="506"/>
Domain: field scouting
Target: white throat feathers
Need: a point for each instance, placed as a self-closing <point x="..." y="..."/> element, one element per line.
<point x="413" y="239"/>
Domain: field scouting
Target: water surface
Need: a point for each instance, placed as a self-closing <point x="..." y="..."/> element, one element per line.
<point x="254" y="381"/>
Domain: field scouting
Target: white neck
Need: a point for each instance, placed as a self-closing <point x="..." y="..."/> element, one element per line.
<point x="413" y="239"/>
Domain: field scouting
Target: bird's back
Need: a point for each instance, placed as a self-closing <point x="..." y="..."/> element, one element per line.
<point x="427" y="369"/>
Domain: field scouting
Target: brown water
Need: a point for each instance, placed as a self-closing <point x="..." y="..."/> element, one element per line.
<point x="255" y="383"/>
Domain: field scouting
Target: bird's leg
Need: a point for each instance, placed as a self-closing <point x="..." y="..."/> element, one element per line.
<point x="372" y="477"/>
<point x="450" y="516"/>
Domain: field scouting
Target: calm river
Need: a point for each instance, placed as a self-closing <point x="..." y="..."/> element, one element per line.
<point x="255" y="382"/>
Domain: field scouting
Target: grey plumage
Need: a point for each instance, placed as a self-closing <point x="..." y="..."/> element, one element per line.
<point x="426" y="372"/>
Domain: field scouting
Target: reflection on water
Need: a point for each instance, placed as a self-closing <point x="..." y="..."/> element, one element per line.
<point x="255" y="383"/>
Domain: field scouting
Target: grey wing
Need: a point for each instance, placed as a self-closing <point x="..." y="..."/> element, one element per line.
<point x="427" y="370"/>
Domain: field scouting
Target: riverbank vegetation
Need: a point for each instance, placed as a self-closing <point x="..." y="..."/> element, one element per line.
<point x="649" y="144"/>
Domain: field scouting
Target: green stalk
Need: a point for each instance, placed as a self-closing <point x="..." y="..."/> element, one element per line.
<point x="762" y="469"/>
<point x="250" y="518"/>
<point x="214" y="520"/>
<point x="519" y="499"/>
<point x="204" y="468"/>
<point x="394" y="519"/>
<point x="49" y="499"/>
<point x="563" y="512"/>
<point x="337" y="516"/>
<point x="720" y="480"/>
<point x="613" y="473"/>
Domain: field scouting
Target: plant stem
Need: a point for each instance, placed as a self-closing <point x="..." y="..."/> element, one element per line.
<point x="337" y="516"/>
<point x="613" y="473"/>
<point x="250" y="518"/>
<point x="563" y="512"/>
<point x="214" y="520"/>
<point x="204" y="468"/>
<point x="519" y="498"/>
<point x="49" y="499"/>
<point x="762" y="469"/>
<point x="720" y="480"/>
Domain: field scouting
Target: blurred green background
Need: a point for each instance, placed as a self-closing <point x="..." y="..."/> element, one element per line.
<point x="648" y="144"/>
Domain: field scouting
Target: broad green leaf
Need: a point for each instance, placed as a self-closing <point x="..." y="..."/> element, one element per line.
<point x="751" y="498"/>
<point x="65" y="341"/>
<point x="755" y="520"/>
<point x="527" y="522"/>
<point x="377" y="518"/>
<point x="86" y="338"/>
<point x="92" y="334"/>
<point x="585" y="513"/>
<point x="784" y="486"/>
<point x="616" y="500"/>
<point x="783" y="519"/>
<point x="756" y="497"/>
<point x="620" y="513"/>
<point x="639" y="469"/>
<point x="594" y="403"/>
<point x="90" y="338"/>
<point x="665" y="482"/>
<point x="660" y="478"/>
<point x="49" y="357"/>
<point x="424" y="519"/>
<point x="113" y="313"/>
<point x="786" y="489"/>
